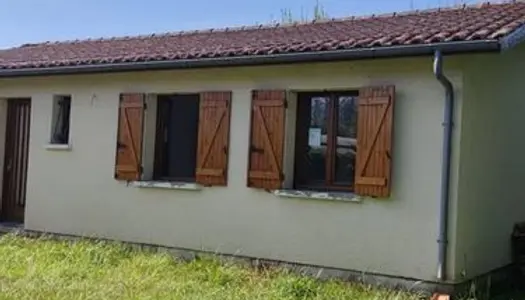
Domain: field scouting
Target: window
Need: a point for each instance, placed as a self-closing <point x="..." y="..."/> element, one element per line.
<point x="185" y="137"/>
<point x="60" y="120"/>
<point x="177" y="132"/>
<point x="343" y="141"/>
<point x="326" y="141"/>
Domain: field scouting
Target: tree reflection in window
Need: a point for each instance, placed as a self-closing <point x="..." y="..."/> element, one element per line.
<point x="317" y="153"/>
<point x="330" y="163"/>
<point x="346" y="139"/>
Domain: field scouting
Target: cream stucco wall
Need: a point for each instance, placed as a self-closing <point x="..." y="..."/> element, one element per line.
<point x="492" y="169"/>
<point x="75" y="193"/>
<point x="3" y="125"/>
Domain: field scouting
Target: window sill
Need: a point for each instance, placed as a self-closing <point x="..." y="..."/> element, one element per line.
<point x="313" y="195"/>
<point x="58" y="147"/>
<point x="170" y="185"/>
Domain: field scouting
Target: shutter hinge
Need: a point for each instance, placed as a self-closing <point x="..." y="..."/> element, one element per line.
<point x="145" y="105"/>
<point x="285" y="104"/>
<point x="141" y="169"/>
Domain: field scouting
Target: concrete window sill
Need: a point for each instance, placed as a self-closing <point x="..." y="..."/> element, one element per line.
<point x="58" y="147"/>
<point x="169" y="185"/>
<point x="313" y="195"/>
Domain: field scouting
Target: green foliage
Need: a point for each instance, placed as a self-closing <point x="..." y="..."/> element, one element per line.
<point x="286" y="16"/>
<point x="319" y="13"/>
<point x="294" y="287"/>
<point x="38" y="269"/>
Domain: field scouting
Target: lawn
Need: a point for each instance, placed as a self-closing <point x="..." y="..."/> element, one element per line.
<point x="48" y="269"/>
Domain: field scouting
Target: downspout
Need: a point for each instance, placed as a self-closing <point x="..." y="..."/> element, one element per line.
<point x="445" y="167"/>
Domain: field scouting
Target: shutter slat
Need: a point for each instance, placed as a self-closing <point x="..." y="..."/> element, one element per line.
<point x="374" y="141"/>
<point x="267" y="139"/>
<point x="374" y="181"/>
<point x="210" y="172"/>
<point x="214" y="130"/>
<point x="128" y="159"/>
<point x="269" y="103"/>
<point x="264" y="175"/>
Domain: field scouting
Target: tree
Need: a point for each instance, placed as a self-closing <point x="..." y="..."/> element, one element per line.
<point x="319" y="13"/>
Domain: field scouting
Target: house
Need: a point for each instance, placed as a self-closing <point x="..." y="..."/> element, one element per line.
<point x="388" y="145"/>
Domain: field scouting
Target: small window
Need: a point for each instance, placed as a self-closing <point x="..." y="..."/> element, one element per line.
<point x="326" y="142"/>
<point x="177" y="137"/>
<point x="60" y="120"/>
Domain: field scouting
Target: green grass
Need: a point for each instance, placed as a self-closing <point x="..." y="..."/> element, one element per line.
<point x="49" y="269"/>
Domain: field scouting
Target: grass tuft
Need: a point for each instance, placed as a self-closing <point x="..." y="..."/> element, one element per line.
<point x="48" y="269"/>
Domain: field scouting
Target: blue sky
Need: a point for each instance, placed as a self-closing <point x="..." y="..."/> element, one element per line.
<point x="24" y="21"/>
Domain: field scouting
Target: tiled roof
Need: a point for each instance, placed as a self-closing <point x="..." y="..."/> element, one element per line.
<point x="465" y="23"/>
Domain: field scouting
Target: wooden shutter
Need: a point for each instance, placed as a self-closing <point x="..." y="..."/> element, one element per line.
<point x="267" y="139"/>
<point x="129" y="141"/>
<point x="214" y="131"/>
<point x="374" y="141"/>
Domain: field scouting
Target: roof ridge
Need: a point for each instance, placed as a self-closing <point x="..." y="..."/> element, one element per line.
<point x="464" y="6"/>
<point x="276" y="24"/>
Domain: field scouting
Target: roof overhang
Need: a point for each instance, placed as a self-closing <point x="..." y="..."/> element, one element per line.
<point x="513" y="39"/>
<point x="448" y="48"/>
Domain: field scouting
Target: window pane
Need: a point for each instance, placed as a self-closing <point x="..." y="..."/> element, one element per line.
<point x="61" y="112"/>
<point x="182" y="133"/>
<point x="317" y="138"/>
<point x="346" y="139"/>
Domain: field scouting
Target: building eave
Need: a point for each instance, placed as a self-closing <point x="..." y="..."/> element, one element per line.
<point x="448" y="48"/>
<point x="513" y="39"/>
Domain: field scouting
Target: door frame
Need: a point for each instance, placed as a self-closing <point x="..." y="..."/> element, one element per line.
<point x="16" y="157"/>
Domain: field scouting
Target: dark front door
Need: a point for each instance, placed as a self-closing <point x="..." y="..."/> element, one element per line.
<point x="15" y="160"/>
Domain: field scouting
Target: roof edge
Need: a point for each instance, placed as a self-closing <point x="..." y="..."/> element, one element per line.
<point x="513" y="39"/>
<point x="271" y="59"/>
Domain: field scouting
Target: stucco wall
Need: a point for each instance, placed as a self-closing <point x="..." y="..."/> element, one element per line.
<point x="3" y="125"/>
<point x="492" y="169"/>
<point x="75" y="193"/>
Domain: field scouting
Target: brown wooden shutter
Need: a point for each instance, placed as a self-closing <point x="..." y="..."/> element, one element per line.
<point x="129" y="140"/>
<point x="267" y="139"/>
<point x="214" y="131"/>
<point x="374" y="141"/>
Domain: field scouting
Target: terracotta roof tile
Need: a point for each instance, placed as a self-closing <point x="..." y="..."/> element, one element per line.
<point x="465" y="23"/>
